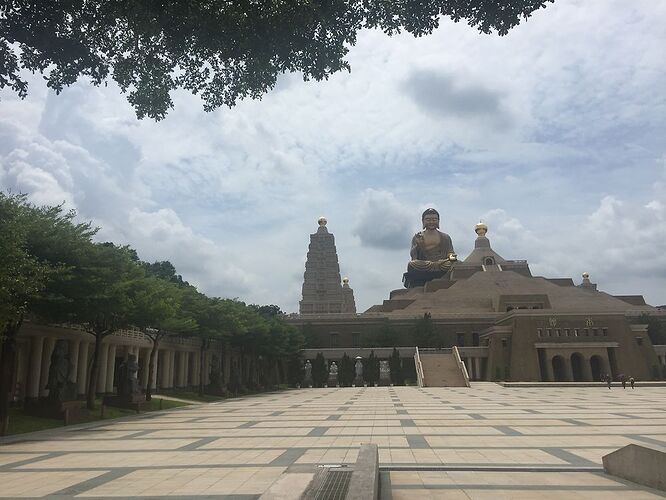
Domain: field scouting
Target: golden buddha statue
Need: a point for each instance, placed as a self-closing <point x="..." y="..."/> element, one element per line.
<point x="432" y="250"/>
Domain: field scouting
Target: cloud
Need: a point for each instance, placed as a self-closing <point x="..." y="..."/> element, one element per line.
<point x="382" y="221"/>
<point x="446" y="95"/>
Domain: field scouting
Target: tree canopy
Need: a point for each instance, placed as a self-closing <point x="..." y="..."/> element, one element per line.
<point x="224" y="51"/>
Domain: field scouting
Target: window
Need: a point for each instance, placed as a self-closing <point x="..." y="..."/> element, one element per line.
<point x="566" y="332"/>
<point x="558" y="332"/>
<point x="586" y="332"/>
<point x="334" y="339"/>
<point x="595" y="332"/>
<point x="488" y="261"/>
<point x="604" y="332"/>
<point x="356" y="339"/>
<point x="549" y="332"/>
<point x="475" y="339"/>
<point x="460" y="339"/>
<point x="539" y="332"/>
<point x="576" y="332"/>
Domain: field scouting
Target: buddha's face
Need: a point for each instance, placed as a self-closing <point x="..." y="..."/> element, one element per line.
<point x="431" y="221"/>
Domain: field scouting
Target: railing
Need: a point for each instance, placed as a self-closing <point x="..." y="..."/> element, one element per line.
<point x="461" y="365"/>
<point x="420" y="380"/>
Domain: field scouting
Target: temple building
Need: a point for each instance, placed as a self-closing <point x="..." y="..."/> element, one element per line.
<point x="502" y="322"/>
<point x="323" y="292"/>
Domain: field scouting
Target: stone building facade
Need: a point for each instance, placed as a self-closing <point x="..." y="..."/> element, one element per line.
<point x="509" y="324"/>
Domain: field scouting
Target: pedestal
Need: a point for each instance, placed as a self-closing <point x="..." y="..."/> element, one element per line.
<point x="412" y="279"/>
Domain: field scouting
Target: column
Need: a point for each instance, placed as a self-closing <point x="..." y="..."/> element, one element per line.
<point x="568" y="369"/>
<point x="145" y="366"/>
<point x="196" y="362"/>
<point x="110" y="368"/>
<point x="102" y="367"/>
<point x="82" y="371"/>
<point x="587" y="370"/>
<point x="157" y="362"/>
<point x="172" y="369"/>
<point x="186" y="370"/>
<point x="34" y="373"/>
<point x="49" y="344"/>
<point x="164" y="368"/>
<point x="549" y="368"/>
<point x="74" y="353"/>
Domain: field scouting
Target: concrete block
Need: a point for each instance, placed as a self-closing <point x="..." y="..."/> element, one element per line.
<point x="639" y="464"/>
<point x="364" y="484"/>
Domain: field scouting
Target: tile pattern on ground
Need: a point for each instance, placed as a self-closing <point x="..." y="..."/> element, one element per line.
<point x="242" y="446"/>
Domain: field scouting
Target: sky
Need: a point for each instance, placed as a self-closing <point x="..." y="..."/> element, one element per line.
<point x="554" y="135"/>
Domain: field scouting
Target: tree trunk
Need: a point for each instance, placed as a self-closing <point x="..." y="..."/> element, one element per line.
<point x="7" y="364"/>
<point x="92" y="379"/>
<point x="151" y="370"/>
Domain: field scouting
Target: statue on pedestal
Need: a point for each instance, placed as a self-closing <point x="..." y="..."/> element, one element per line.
<point x="358" y="369"/>
<point x="384" y="372"/>
<point x="60" y="386"/>
<point x="432" y="254"/>
<point x="432" y="250"/>
<point x="128" y="377"/>
<point x="307" y="381"/>
<point x="333" y="374"/>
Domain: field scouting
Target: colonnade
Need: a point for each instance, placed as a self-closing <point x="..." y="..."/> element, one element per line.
<point x="476" y="367"/>
<point x="175" y="366"/>
<point x="576" y="367"/>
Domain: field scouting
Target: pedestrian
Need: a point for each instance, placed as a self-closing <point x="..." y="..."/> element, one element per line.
<point x="623" y="379"/>
<point x="609" y="380"/>
<point x="632" y="381"/>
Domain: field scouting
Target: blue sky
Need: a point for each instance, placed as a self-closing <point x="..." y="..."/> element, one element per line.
<point x="555" y="135"/>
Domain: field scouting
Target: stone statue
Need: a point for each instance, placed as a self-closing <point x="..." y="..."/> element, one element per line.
<point x="59" y="384"/>
<point x="358" y="368"/>
<point x="333" y="374"/>
<point x="431" y="249"/>
<point x="127" y="377"/>
<point x="384" y="372"/>
<point x="308" y="373"/>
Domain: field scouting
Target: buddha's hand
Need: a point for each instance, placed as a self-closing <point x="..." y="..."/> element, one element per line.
<point x="453" y="257"/>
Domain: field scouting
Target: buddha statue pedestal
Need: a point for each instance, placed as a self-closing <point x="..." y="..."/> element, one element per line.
<point x="412" y="279"/>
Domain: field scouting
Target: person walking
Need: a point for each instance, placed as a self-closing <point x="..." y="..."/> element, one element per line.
<point x="623" y="379"/>
<point x="631" y="381"/>
<point x="609" y="380"/>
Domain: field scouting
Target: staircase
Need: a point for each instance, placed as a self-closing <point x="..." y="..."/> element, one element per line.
<point x="442" y="368"/>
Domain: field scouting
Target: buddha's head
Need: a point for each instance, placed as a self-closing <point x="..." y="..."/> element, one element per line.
<point x="430" y="219"/>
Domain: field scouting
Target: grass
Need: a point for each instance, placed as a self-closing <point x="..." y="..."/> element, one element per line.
<point x="193" y="396"/>
<point x="20" y="423"/>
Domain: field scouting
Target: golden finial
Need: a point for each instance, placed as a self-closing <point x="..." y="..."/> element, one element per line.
<point x="322" y="221"/>
<point x="345" y="281"/>
<point x="586" y="275"/>
<point x="481" y="229"/>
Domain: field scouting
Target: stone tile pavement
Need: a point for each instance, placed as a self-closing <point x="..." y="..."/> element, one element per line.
<point x="486" y="441"/>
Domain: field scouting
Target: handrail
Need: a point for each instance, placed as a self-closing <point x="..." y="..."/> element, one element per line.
<point x="420" y="380"/>
<point x="461" y="365"/>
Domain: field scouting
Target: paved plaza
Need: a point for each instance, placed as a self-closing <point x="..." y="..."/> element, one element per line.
<point x="486" y="441"/>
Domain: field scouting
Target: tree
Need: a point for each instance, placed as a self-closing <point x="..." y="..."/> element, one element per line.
<point x="319" y="370"/>
<point x="371" y="368"/>
<point x="346" y="372"/>
<point x="95" y="296"/>
<point x="395" y="365"/>
<point x="424" y="332"/>
<point x="38" y="251"/>
<point x="157" y="311"/>
<point x="224" y="51"/>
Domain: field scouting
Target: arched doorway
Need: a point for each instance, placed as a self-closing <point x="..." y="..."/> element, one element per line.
<point x="559" y="371"/>
<point x="597" y="367"/>
<point x="577" y="367"/>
